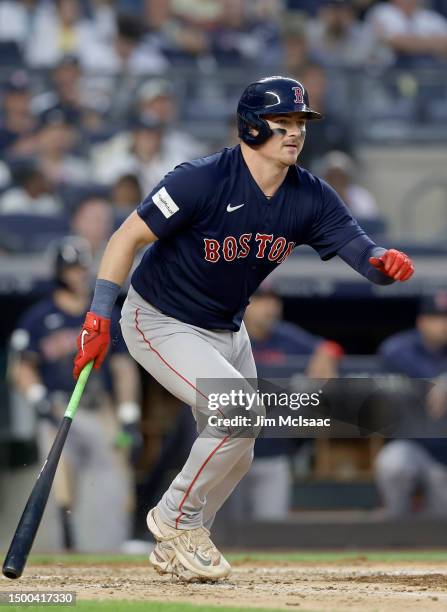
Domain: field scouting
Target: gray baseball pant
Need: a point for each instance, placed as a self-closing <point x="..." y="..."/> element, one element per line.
<point x="177" y="354"/>
<point x="401" y="467"/>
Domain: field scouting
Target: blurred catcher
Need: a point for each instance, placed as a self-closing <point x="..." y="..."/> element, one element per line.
<point x="93" y="478"/>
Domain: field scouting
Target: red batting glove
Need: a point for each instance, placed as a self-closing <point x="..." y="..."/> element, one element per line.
<point x="92" y="342"/>
<point x="394" y="264"/>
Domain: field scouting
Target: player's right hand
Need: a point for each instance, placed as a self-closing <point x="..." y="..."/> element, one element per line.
<point x="92" y="342"/>
<point x="395" y="264"/>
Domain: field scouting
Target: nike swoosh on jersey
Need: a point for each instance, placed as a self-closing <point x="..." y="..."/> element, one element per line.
<point x="231" y="208"/>
<point x="84" y="333"/>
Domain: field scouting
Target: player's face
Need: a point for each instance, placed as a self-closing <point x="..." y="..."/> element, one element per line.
<point x="288" y="138"/>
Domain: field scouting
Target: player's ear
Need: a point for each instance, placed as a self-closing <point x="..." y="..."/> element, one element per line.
<point x="253" y="131"/>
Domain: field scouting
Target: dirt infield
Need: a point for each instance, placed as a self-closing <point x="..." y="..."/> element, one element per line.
<point x="313" y="586"/>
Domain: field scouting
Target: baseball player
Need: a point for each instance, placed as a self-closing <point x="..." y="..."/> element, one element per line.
<point x="217" y="227"/>
<point x="93" y="467"/>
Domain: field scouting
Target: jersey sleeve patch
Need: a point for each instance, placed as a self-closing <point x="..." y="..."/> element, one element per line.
<point x="165" y="203"/>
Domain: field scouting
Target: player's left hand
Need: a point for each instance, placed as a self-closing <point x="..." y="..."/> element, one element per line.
<point x="395" y="264"/>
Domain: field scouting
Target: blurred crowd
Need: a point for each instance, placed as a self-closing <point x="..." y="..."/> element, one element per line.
<point x="92" y="105"/>
<point x="144" y="36"/>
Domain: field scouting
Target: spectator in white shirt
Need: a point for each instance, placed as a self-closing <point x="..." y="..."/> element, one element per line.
<point x="31" y="194"/>
<point x="337" y="38"/>
<point x="133" y="51"/>
<point x="415" y="36"/>
<point x="59" y="29"/>
<point x="140" y="151"/>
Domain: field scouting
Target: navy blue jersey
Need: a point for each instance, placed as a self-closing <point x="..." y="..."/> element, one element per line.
<point x="406" y="353"/>
<point x="284" y="339"/>
<point x="220" y="236"/>
<point x="48" y="335"/>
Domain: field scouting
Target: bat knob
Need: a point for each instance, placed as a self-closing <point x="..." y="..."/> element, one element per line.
<point x="9" y="571"/>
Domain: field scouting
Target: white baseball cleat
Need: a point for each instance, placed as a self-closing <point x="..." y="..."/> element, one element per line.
<point x="192" y="548"/>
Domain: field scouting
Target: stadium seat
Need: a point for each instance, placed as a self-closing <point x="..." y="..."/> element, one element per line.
<point x="30" y="233"/>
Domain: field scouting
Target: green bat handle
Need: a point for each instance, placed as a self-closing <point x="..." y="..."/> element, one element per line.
<point x="78" y="391"/>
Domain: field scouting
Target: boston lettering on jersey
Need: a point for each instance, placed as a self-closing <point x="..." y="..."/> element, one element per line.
<point x="231" y="248"/>
<point x="220" y="236"/>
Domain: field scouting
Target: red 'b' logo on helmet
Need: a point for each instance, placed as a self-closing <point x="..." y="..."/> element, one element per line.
<point x="298" y="91"/>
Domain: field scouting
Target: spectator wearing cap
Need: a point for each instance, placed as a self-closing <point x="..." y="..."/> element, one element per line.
<point x="156" y="100"/>
<point x="339" y="170"/>
<point x="140" y="151"/>
<point x="17" y="123"/>
<point x="31" y="194"/>
<point x="405" y="468"/>
<point x="337" y="38"/>
<point x="56" y="141"/>
<point x="413" y="35"/>
<point x="264" y="493"/>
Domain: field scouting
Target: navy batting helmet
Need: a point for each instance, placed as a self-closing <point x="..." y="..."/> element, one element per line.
<point x="71" y="251"/>
<point x="275" y="95"/>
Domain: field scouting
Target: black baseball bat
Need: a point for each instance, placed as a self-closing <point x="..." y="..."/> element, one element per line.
<point x="25" y="533"/>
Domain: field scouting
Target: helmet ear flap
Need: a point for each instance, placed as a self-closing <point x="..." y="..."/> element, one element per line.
<point x="248" y="121"/>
